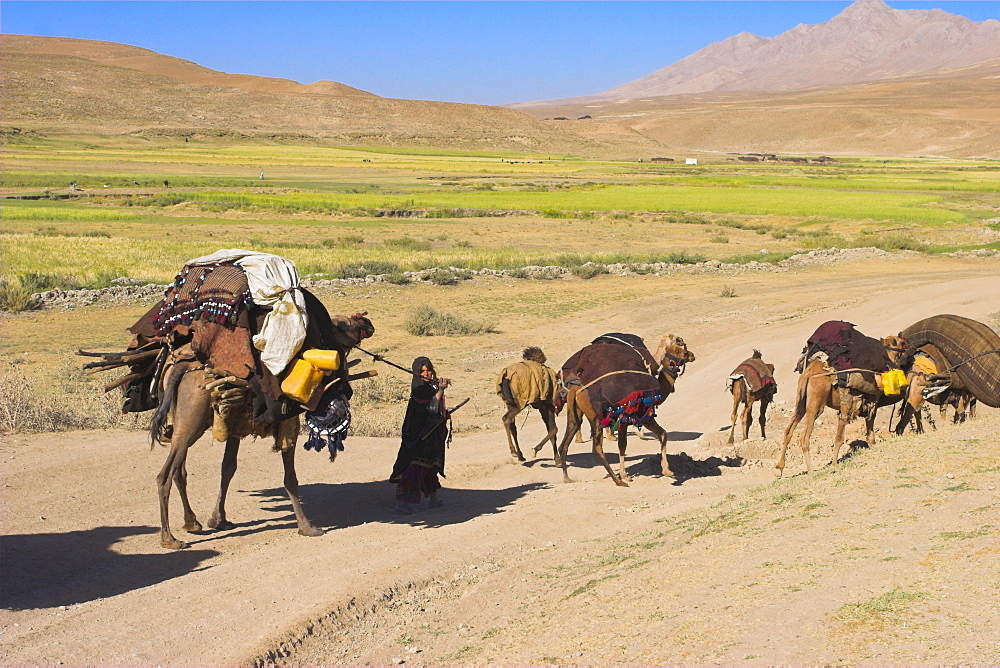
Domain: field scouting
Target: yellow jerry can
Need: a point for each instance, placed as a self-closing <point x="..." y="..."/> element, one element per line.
<point x="328" y="360"/>
<point x="892" y="380"/>
<point x="301" y="381"/>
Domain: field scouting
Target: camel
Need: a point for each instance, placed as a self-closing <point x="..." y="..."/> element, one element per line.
<point x="924" y="364"/>
<point x="611" y="375"/>
<point x="191" y="403"/>
<point x="816" y="391"/>
<point x="529" y="384"/>
<point x="762" y="377"/>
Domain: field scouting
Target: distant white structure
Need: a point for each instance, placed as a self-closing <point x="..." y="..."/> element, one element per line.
<point x="691" y="161"/>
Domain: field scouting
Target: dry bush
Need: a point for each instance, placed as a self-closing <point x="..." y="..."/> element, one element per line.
<point x="79" y="403"/>
<point x="378" y="406"/>
<point x="427" y="321"/>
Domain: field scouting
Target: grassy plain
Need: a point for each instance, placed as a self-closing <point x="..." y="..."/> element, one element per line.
<point x="409" y="209"/>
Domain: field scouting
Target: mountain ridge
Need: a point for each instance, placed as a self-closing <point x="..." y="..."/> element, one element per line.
<point x="867" y="41"/>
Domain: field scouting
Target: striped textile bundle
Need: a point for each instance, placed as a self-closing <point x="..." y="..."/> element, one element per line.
<point x="217" y="293"/>
<point x="971" y="348"/>
<point x="636" y="409"/>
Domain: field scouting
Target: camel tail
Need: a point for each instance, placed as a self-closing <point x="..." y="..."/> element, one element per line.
<point x="159" y="420"/>
<point x="800" y="406"/>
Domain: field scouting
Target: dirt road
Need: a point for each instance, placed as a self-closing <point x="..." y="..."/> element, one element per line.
<point x="85" y="582"/>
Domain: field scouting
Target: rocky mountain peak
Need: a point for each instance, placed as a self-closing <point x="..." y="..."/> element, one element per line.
<point x="867" y="41"/>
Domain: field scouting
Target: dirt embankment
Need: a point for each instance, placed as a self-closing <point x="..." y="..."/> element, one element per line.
<point x="889" y="557"/>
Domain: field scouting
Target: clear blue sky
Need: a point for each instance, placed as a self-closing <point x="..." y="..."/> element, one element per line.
<point x="458" y="51"/>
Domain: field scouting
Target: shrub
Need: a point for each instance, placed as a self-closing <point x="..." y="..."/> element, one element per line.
<point x="14" y="297"/>
<point x="589" y="270"/>
<point x="442" y="277"/>
<point x="462" y="244"/>
<point x="427" y="321"/>
<point x="728" y="291"/>
<point x="683" y="257"/>
<point x="364" y="269"/>
<point x="82" y="403"/>
<point x="397" y="278"/>
<point x="720" y="239"/>
<point x="378" y="406"/>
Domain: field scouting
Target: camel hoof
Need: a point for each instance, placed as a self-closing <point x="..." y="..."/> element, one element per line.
<point x="310" y="531"/>
<point x="220" y="525"/>
<point x="567" y="479"/>
<point x="621" y="483"/>
<point x="193" y="526"/>
<point x="172" y="544"/>
<point x="521" y="458"/>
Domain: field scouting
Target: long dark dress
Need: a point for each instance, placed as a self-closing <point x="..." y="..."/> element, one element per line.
<point x="424" y="427"/>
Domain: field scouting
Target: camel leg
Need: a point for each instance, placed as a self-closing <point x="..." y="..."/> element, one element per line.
<point x="972" y="407"/>
<point x="661" y="433"/>
<point x="762" y="418"/>
<point x="191" y="523"/>
<point x="736" y="409"/>
<point x="218" y="520"/>
<point x="599" y="452"/>
<point x="287" y="430"/>
<point x="960" y="409"/>
<point x="510" y="426"/>
<point x="192" y="411"/>
<point x="548" y="414"/>
<point x="746" y="418"/>
<point x="789" y="431"/>
<point x="807" y="430"/>
<point x="572" y="429"/>
<point x="838" y="439"/>
<point x="622" y="443"/>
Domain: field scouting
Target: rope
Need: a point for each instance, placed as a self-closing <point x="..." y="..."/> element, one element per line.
<point x="645" y="363"/>
<point x="988" y="352"/>
<point x="613" y="373"/>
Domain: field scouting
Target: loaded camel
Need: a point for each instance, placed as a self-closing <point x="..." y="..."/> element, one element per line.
<point x="750" y="382"/>
<point x="191" y="404"/>
<point x="817" y="389"/>
<point x="620" y="384"/>
<point x="922" y="389"/>
<point x="524" y="384"/>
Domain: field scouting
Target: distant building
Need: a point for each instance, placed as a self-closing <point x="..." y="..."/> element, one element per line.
<point x="662" y="160"/>
<point x="691" y="161"/>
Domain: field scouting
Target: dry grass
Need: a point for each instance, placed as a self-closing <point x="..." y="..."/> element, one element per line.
<point x="72" y="401"/>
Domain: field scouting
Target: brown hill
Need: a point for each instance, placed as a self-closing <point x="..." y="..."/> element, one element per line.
<point x="868" y="41"/>
<point x="72" y="85"/>
<point x="80" y="86"/>
<point x="953" y="113"/>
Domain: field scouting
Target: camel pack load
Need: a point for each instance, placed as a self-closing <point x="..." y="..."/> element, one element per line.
<point x="267" y="341"/>
<point x="957" y="355"/>
<point x="857" y="362"/>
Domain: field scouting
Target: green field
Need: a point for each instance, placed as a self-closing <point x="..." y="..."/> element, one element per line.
<point x="335" y="210"/>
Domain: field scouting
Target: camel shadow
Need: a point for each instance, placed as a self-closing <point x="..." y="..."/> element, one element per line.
<point x="52" y="569"/>
<point x="332" y="506"/>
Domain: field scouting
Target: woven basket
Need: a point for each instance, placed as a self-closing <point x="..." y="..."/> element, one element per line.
<point x="971" y="348"/>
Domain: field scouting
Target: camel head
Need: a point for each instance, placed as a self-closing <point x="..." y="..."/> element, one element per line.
<point x="672" y="353"/>
<point x="351" y="331"/>
<point x="895" y="346"/>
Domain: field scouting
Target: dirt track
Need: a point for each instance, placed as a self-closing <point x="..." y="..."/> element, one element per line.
<point x="84" y="581"/>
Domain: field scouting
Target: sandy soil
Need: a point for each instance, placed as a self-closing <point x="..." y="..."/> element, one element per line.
<point x="85" y="582"/>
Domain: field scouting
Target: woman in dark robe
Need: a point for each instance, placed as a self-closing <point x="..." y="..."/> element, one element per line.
<point x="425" y="435"/>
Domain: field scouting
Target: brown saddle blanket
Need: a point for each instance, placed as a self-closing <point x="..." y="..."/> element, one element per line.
<point x="756" y="374"/>
<point x="847" y="348"/>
